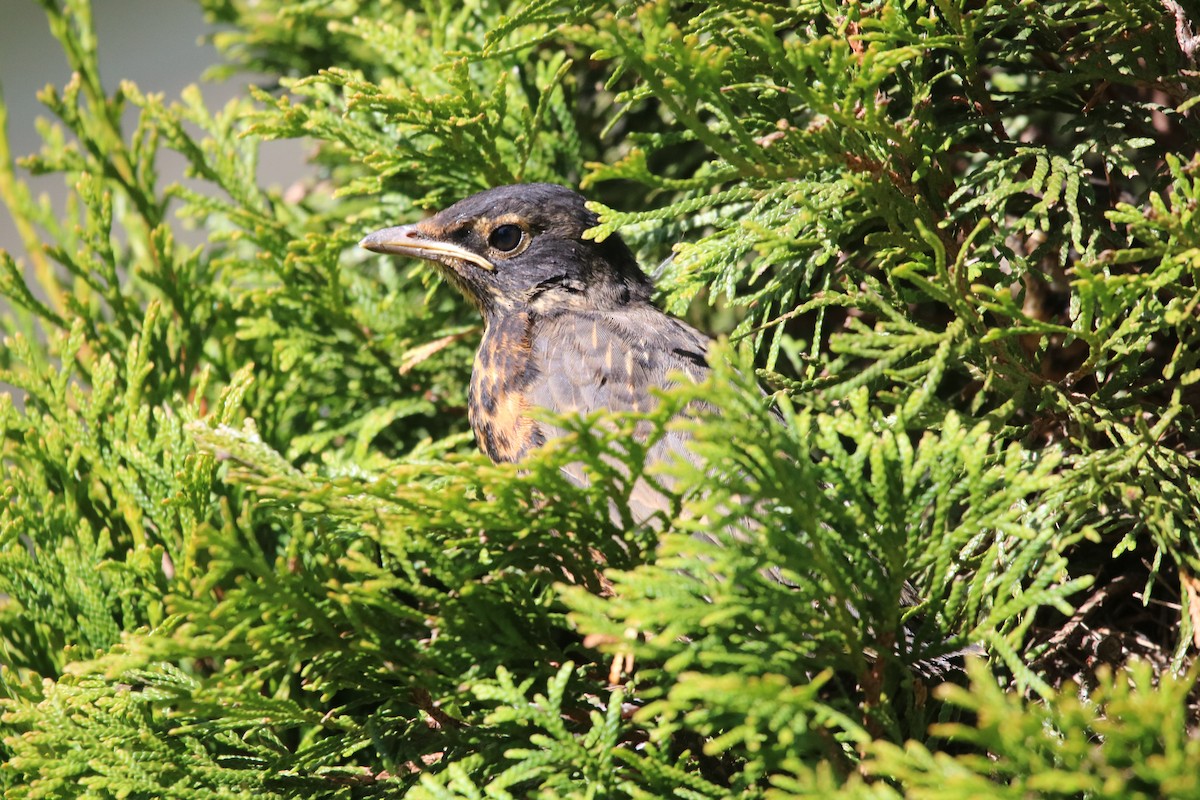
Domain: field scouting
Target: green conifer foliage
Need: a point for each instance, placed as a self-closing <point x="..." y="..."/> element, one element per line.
<point x="247" y="548"/>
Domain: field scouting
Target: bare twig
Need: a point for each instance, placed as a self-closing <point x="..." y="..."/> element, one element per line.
<point x="1188" y="41"/>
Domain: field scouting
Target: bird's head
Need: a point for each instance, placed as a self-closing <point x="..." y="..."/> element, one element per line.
<point x="520" y="248"/>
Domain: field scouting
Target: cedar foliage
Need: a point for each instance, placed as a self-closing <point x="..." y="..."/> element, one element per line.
<point x="247" y="548"/>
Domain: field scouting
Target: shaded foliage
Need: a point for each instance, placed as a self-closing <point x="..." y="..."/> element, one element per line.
<point x="246" y="545"/>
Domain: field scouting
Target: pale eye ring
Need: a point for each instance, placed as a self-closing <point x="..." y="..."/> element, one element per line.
<point x="506" y="238"/>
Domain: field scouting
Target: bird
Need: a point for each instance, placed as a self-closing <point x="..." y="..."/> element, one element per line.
<point x="569" y="327"/>
<point x="569" y="322"/>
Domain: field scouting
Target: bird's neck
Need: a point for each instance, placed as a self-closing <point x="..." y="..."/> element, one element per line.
<point x="508" y="325"/>
<point x="502" y="373"/>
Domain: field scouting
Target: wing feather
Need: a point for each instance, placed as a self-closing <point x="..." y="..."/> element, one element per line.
<point x="610" y="361"/>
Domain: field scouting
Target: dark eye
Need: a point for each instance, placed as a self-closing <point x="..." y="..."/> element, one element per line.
<point x="506" y="238"/>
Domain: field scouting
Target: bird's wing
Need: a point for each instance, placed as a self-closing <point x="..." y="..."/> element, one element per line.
<point x="611" y="360"/>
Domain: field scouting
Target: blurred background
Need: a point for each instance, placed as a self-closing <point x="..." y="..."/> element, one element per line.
<point x="162" y="46"/>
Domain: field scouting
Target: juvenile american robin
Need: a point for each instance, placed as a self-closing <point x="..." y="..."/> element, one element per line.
<point x="569" y="325"/>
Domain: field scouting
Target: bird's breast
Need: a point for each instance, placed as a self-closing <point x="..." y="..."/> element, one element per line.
<point x="498" y="404"/>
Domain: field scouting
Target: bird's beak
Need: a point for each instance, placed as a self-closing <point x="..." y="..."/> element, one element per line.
<point x="409" y="240"/>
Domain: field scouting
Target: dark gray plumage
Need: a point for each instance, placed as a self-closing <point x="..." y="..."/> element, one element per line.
<point x="569" y="325"/>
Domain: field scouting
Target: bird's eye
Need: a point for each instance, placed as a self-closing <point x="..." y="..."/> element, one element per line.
<point x="506" y="238"/>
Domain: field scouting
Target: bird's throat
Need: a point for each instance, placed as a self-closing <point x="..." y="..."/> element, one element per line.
<point x="503" y="371"/>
